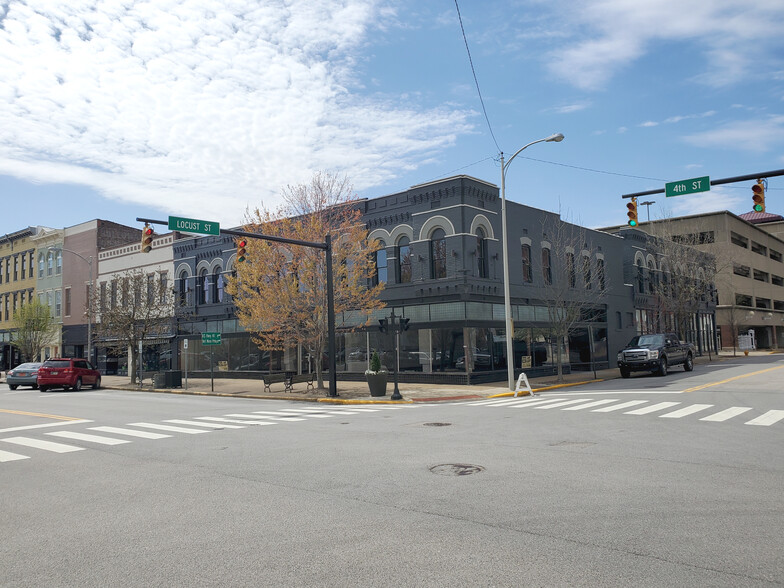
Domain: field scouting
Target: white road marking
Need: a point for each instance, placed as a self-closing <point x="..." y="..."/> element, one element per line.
<point x="620" y="406"/>
<point x="592" y="404"/>
<point x="198" y="424"/>
<point x="769" y="418"/>
<point x="560" y="404"/>
<point x="264" y="416"/>
<point x="46" y="425"/>
<point x="536" y="403"/>
<point x="685" y="411"/>
<point x="88" y="437"/>
<point x="168" y="428"/>
<point x="130" y="432"/>
<point x="652" y="408"/>
<point x="41" y="444"/>
<point x="8" y="456"/>
<point x="245" y="422"/>
<point x="726" y="414"/>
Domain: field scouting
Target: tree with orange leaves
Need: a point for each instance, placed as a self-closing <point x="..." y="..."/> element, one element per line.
<point x="280" y="290"/>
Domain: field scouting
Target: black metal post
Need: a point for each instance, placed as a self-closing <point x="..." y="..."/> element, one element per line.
<point x="396" y="329"/>
<point x="333" y="377"/>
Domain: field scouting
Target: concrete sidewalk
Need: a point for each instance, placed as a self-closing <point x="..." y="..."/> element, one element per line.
<point x="357" y="392"/>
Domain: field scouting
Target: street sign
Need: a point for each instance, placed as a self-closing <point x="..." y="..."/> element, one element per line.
<point x="191" y="225"/>
<point x="210" y="338"/>
<point x="687" y="186"/>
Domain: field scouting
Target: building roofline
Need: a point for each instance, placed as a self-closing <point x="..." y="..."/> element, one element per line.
<point x="450" y="178"/>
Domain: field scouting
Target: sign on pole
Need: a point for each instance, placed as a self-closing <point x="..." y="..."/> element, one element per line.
<point x="210" y="338"/>
<point x="687" y="186"/>
<point x="192" y="225"/>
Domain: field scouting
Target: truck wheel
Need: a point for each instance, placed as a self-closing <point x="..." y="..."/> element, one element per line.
<point x="688" y="365"/>
<point x="662" y="371"/>
<point x="625" y="372"/>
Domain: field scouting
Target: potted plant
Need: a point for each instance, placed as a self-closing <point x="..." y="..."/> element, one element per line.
<point x="376" y="376"/>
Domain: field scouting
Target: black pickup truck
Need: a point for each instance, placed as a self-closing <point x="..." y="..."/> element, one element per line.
<point x="655" y="353"/>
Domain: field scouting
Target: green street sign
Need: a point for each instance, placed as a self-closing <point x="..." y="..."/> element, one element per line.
<point x="687" y="186"/>
<point x="210" y="338"/>
<point x="191" y="225"/>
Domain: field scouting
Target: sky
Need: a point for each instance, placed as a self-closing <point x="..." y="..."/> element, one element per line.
<point x="118" y="109"/>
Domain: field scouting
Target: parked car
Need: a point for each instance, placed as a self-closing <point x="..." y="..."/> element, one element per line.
<point x="655" y="353"/>
<point x="68" y="374"/>
<point x="25" y="374"/>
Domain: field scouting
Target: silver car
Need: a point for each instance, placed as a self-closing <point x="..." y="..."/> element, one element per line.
<point x="25" y="374"/>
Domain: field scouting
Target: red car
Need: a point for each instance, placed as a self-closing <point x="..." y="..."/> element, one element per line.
<point x="68" y="374"/>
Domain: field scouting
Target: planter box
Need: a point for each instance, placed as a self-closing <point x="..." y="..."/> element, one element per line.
<point x="377" y="383"/>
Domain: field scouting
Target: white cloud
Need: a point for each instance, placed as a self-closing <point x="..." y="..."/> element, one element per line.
<point x="756" y="135"/>
<point x="610" y="34"/>
<point x="178" y="103"/>
<point x="569" y="108"/>
<point x="649" y="123"/>
<point x="718" y="198"/>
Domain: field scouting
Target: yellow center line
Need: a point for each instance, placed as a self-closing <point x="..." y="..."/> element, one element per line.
<point x="38" y="414"/>
<point x="703" y="386"/>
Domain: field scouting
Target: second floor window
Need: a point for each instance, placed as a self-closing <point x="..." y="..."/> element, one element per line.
<point x="40" y="265"/>
<point x="587" y="277"/>
<point x="528" y="275"/>
<point x="570" y="269"/>
<point x="438" y="254"/>
<point x="547" y="270"/>
<point x="481" y="253"/>
<point x="380" y="273"/>
<point x="404" y="260"/>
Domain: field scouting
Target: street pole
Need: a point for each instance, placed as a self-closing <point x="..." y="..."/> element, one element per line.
<point x="508" y="323"/>
<point x="396" y="327"/>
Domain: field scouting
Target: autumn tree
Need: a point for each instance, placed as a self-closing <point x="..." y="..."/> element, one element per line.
<point x="280" y="290"/>
<point x="35" y="329"/>
<point x="139" y="307"/>
<point x="574" y="282"/>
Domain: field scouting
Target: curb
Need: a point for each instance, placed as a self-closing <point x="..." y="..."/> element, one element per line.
<point x="553" y="387"/>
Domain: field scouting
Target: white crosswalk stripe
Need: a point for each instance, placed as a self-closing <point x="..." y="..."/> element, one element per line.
<point x="238" y="421"/>
<point x="620" y="406"/>
<point x="726" y="414"/>
<point x="769" y="418"/>
<point x="41" y="444"/>
<point x="535" y="403"/>
<point x="8" y="456"/>
<point x="198" y="424"/>
<point x="593" y="404"/>
<point x="130" y="432"/>
<point x="87" y="437"/>
<point x="653" y="408"/>
<point x="272" y="417"/>
<point x="685" y="411"/>
<point x="169" y="428"/>
<point x="561" y="404"/>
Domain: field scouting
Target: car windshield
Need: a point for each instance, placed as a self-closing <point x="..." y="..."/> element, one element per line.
<point x="54" y="363"/>
<point x="28" y="366"/>
<point x="651" y="340"/>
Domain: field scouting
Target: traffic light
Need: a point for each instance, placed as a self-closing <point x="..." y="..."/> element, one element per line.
<point x="147" y="235"/>
<point x="382" y="325"/>
<point x="759" y="196"/>
<point x="632" y="214"/>
<point x="404" y="324"/>
<point x="241" y="253"/>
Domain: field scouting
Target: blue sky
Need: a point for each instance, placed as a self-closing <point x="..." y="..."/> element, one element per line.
<point x="203" y="108"/>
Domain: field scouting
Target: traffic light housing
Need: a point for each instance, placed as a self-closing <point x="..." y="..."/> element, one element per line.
<point x="404" y="324"/>
<point x="632" y="214"/>
<point x="382" y="325"/>
<point x="759" y="196"/>
<point x="147" y="234"/>
<point x="241" y="251"/>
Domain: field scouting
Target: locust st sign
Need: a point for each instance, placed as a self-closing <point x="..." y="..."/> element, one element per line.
<point x="687" y="186"/>
<point x="191" y="225"/>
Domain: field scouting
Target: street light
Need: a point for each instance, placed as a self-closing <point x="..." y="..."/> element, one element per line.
<point x="89" y="262"/>
<point x="556" y="138"/>
<point x="647" y="205"/>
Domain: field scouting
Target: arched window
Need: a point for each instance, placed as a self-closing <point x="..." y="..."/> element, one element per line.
<point x="587" y="277"/>
<point x="640" y="278"/>
<point x="182" y="290"/>
<point x="49" y="263"/>
<point x="404" y="260"/>
<point x="40" y="265"/>
<point x="570" y="271"/>
<point x="528" y="275"/>
<point x="481" y="252"/>
<point x="217" y="293"/>
<point x="202" y="287"/>
<point x="380" y="273"/>
<point x="547" y="270"/>
<point x="600" y="273"/>
<point x="651" y="276"/>
<point x="438" y="254"/>
<point x="58" y="266"/>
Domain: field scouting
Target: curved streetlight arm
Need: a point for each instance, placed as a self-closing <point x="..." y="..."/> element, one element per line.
<point x="557" y="138"/>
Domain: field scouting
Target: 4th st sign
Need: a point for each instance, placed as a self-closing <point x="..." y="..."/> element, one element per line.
<point x="691" y="186"/>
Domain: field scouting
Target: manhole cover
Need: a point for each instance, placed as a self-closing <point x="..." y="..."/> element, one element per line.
<point x="456" y="469"/>
<point x="437" y="424"/>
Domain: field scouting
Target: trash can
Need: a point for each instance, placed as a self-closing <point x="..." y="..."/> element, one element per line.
<point x="159" y="380"/>
<point x="173" y="379"/>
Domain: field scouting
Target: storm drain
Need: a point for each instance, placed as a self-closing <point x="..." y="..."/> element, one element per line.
<point x="456" y="469"/>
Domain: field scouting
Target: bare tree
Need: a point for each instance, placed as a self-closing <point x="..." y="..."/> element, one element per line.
<point x="280" y="291"/>
<point x="140" y="307"/>
<point x="574" y="281"/>
<point x="35" y="329"/>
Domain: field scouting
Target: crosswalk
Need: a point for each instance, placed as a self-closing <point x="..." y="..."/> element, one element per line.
<point x="668" y="409"/>
<point x="18" y="447"/>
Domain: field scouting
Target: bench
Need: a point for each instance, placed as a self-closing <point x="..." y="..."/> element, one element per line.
<point x="288" y="379"/>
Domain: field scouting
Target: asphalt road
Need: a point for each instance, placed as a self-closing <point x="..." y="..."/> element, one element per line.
<point x="575" y="487"/>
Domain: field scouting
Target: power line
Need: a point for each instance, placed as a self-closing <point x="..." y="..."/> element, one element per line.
<point x="476" y="81"/>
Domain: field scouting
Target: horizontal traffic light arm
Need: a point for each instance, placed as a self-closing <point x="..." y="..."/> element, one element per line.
<point x="768" y="174"/>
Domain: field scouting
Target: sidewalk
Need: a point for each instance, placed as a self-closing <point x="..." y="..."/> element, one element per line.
<point x="357" y="392"/>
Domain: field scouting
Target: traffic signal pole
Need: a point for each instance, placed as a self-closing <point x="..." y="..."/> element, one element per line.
<point x="326" y="246"/>
<point x="768" y="174"/>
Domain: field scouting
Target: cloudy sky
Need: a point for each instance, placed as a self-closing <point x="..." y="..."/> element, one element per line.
<point x="116" y="109"/>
